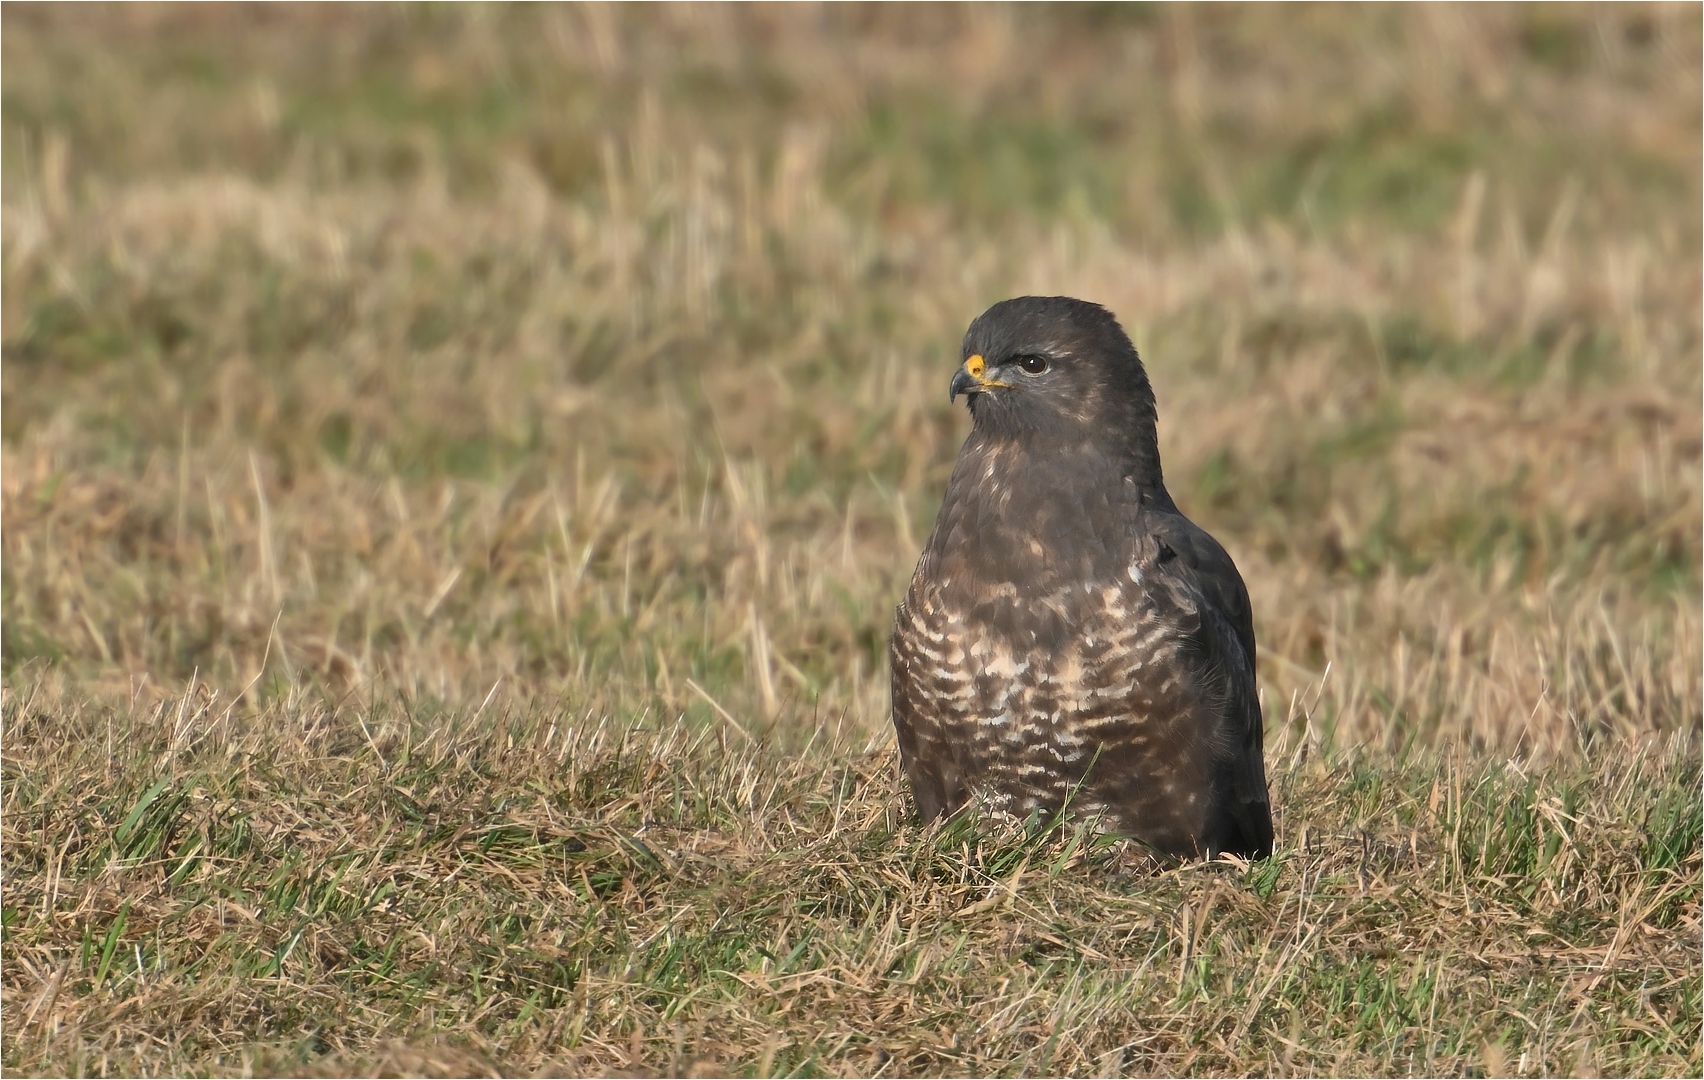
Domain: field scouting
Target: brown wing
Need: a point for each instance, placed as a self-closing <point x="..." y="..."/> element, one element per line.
<point x="1221" y="654"/>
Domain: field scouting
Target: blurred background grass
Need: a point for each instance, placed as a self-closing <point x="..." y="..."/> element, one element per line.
<point x="379" y="379"/>
<point x="586" y="347"/>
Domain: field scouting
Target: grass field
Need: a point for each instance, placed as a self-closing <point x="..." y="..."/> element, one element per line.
<point x="459" y="464"/>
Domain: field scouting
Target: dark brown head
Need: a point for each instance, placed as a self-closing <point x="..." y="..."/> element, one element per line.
<point x="1051" y="369"/>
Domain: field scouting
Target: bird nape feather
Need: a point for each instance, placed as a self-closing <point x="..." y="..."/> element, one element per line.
<point x="1069" y="637"/>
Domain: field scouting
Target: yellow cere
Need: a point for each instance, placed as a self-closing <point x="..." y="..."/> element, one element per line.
<point x="975" y="366"/>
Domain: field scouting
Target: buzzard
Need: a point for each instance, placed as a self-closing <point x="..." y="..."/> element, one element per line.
<point x="1069" y="636"/>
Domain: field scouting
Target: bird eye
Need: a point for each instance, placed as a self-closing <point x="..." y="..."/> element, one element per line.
<point x="1035" y="365"/>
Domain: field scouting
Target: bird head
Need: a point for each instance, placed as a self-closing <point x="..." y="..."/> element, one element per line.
<point x="1039" y="366"/>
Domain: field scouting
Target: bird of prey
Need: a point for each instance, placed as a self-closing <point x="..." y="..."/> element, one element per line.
<point x="1069" y="637"/>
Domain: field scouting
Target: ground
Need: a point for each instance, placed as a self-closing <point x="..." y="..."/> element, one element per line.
<point x="459" y="465"/>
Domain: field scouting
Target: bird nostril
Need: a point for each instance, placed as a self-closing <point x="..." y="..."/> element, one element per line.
<point x="975" y="366"/>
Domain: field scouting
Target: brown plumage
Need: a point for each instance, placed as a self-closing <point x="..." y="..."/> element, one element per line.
<point x="1069" y="635"/>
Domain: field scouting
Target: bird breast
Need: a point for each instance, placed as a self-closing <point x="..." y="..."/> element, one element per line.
<point x="1033" y="690"/>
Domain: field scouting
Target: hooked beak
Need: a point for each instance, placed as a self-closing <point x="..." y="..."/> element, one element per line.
<point x="971" y="379"/>
<point x="962" y="384"/>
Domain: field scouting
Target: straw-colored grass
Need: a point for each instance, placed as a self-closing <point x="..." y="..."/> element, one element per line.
<point x="459" y="465"/>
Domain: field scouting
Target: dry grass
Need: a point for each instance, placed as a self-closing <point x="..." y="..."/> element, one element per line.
<point x="326" y="891"/>
<point x="459" y="466"/>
